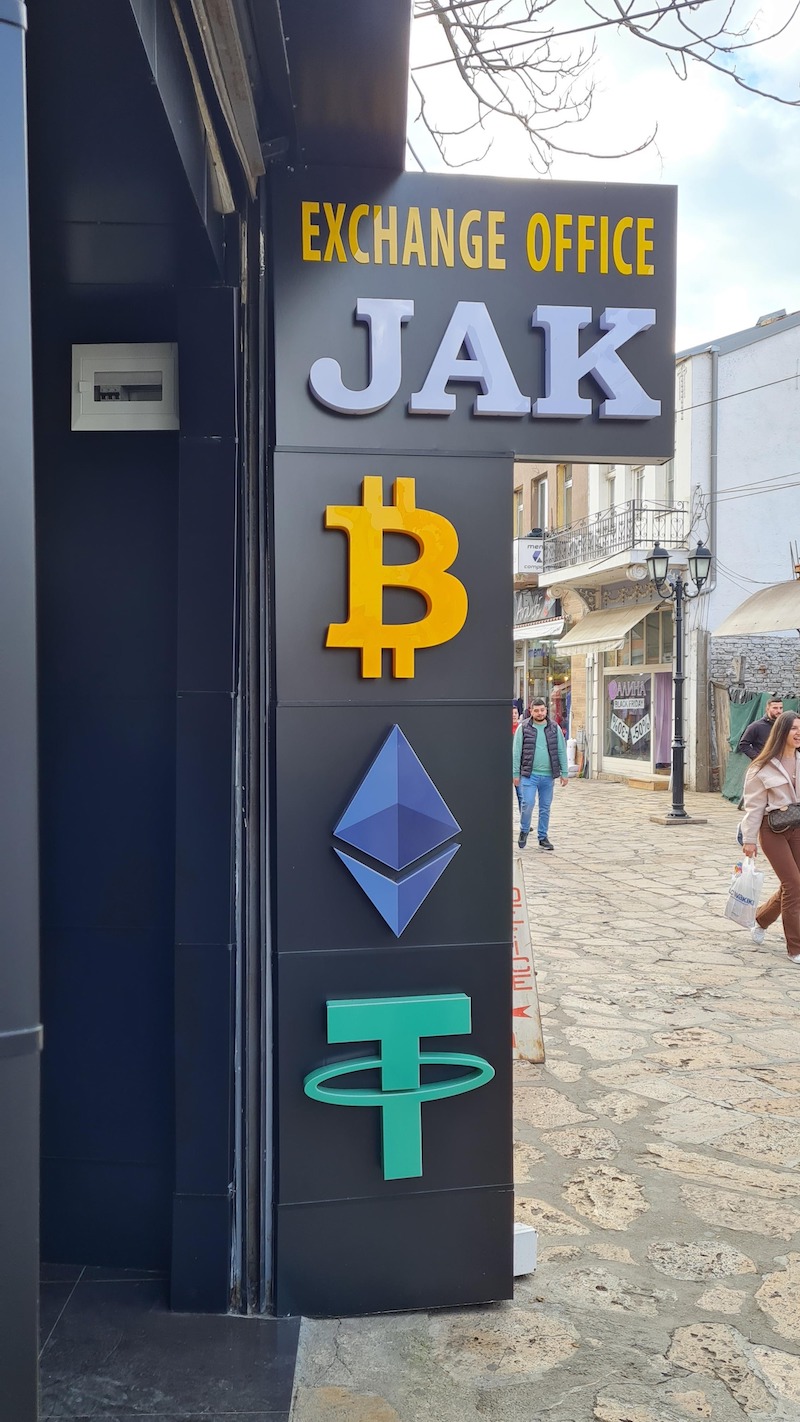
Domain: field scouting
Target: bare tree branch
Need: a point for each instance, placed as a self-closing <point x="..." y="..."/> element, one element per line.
<point x="515" y="63"/>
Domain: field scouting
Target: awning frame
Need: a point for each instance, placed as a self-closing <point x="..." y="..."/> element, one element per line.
<point x="610" y="626"/>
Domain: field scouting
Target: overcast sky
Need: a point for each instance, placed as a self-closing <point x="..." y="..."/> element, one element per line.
<point x="734" y="157"/>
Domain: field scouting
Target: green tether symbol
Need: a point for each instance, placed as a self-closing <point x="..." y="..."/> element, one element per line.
<point x="398" y="1024"/>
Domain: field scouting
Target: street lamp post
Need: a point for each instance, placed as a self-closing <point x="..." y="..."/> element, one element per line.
<point x="674" y="587"/>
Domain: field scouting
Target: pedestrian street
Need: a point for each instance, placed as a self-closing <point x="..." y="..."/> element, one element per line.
<point x="656" y="1154"/>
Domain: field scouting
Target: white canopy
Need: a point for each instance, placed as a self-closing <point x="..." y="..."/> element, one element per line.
<point x="775" y="609"/>
<point x="603" y="631"/>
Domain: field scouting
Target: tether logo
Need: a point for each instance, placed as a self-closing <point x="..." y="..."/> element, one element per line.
<point x="445" y="597"/>
<point x="398" y="1024"/>
<point x="397" y="816"/>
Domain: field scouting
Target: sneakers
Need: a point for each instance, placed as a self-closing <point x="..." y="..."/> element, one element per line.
<point x="523" y="839"/>
<point x="795" y="958"/>
<point x="544" y="843"/>
<point x="757" y="934"/>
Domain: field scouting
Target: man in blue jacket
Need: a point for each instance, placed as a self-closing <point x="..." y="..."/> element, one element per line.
<point x="539" y="759"/>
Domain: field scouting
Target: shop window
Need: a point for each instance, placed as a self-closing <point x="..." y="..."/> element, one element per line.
<point x="649" y="643"/>
<point x="539" y="503"/>
<point x="666" y="635"/>
<point x="627" y="719"/>
<point x="564" y="494"/>
<point x="652" y="637"/>
<point x="669" y="484"/>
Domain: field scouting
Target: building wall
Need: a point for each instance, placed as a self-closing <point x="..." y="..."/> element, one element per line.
<point x="770" y="663"/>
<point x="527" y="473"/>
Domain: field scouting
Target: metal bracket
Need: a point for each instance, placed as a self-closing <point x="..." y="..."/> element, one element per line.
<point x="274" y="148"/>
<point x="21" y="1043"/>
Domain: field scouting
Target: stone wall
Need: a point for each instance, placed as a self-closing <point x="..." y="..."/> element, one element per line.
<point x="770" y="663"/>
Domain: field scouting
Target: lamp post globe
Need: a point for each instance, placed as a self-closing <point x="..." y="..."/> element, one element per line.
<point x="658" y="564"/>
<point x="699" y="565"/>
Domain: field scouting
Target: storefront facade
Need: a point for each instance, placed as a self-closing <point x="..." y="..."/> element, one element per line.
<point x="636" y="699"/>
<point x="193" y="1006"/>
<point x="539" y="669"/>
<point x="627" y="650"/>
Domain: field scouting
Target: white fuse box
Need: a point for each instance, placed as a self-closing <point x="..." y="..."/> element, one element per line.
<point x="125" y="387"/>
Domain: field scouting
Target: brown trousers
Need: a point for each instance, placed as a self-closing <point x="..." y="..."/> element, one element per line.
<point x="783" y="853"/>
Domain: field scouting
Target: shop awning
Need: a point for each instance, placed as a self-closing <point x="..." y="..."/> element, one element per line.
<point x="603" y="631"/>
<point x="545" y="629"/>
<point x="775" y="609"/>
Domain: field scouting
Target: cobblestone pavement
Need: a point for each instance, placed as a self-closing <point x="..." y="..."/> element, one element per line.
<point x="656" y="1153"/>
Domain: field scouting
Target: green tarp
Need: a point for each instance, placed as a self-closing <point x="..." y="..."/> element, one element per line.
<point x="741" y="715"/>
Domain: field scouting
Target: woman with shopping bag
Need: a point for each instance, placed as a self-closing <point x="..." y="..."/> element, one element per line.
<point x="772" y="817"/>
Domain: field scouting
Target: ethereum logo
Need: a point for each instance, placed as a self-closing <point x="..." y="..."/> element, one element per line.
<point x="397" y="817"/>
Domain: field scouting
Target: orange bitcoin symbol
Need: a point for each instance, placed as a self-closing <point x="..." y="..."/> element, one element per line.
<point x="445" y="597"/>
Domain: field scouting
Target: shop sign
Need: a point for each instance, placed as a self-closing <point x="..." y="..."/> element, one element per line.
<point x="534" y="605"/>
<point x="526" y="1038"/>
<point x="528" y="555"/>
<point x="527" y="317"/>
<point x="425" y="330"/>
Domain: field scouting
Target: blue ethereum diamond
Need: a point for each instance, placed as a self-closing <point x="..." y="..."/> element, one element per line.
<point x="397" y="900"/>
<point x="396" y="814"/>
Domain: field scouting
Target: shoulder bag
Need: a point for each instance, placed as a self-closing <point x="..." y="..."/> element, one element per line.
<point x="780" y="821"/>
<point x="788" y="818"/>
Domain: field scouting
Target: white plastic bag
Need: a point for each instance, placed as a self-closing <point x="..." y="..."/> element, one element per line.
<point x="744" y="894"/>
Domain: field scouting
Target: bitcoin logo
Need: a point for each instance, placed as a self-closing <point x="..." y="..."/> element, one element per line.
<point x="398" y="1024"/>
<point x="445" y="597"/>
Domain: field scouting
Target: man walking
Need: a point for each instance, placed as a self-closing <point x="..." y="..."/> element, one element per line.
<point x="539" y="759"/>
<point x="755" y="736"/>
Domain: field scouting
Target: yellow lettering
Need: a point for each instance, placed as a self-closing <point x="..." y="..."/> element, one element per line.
<point x="538" y="253"/>
<point x="471" y="249"/>
<point x="414" y="244"/>
<point x="494" y="240"/>
<point x="619" y="232"/>
<point x="442" y="238"/>
<point x="563" y="242"/>
<point x="385" y="234"/>
<point x="603" y="246"/>
<point x="357" y="216"/>
<point x="644" y="244"/>
<point x="310" y="230"/>
<point x="334" y="242"/>
<point x="585" y="242"/>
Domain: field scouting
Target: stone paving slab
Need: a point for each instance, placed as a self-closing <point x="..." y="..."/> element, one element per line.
<point x="656" y="1153"/>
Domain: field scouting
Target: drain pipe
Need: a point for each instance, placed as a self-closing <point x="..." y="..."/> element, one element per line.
<point x="712" y="465"/>
<point x="702" y="753"/>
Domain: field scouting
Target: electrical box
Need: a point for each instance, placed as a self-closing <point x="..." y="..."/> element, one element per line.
<point x="125" y="387"/>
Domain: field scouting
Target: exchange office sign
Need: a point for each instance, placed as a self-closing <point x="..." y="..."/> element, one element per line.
<point x="481" y="314"/>
<point x="424" y="328"/>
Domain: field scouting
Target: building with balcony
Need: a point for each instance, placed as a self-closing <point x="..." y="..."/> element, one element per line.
<point x="732" y="483"/>
<point x="547" y="497"/>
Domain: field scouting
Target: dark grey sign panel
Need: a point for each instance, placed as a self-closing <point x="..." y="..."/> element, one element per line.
<point x="447" y="1249"/>
<point x="314" y="567"/>
<point x="471" y="313"/>
<point x="333" y="1152"/>
<point x="323" y="756"/>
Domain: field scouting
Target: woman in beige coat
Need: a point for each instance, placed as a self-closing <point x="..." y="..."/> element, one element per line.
<point x="772" y="783"/>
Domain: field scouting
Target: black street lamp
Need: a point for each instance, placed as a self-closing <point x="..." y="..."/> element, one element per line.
<point x="673" y="586"/>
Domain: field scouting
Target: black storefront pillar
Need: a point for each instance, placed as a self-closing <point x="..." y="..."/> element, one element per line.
<point x="204" y="917"/>
<point x="20" y="1033"/>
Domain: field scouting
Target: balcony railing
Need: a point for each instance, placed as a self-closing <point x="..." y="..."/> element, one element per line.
<point x="600" y="536"/>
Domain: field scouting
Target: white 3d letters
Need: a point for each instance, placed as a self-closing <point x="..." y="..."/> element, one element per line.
<point x="385" y="319"/>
